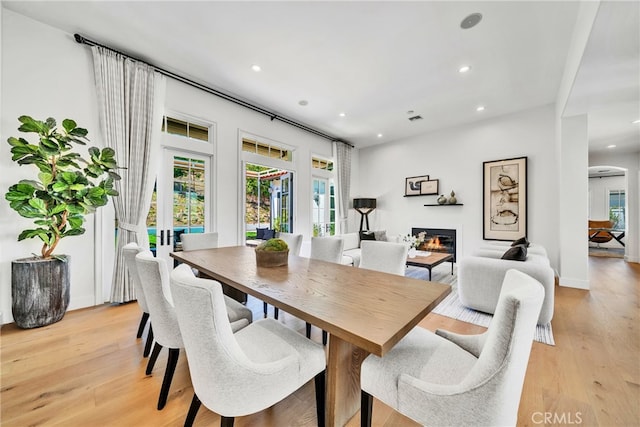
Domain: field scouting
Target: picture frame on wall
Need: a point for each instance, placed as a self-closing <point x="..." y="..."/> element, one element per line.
<point x="420" y="186"/>
<point x="504" y="196"/>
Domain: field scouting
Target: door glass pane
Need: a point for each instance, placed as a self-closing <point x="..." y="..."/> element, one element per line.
<point x="188" y="196"/>
<point x="269" y="199"/>
<point x="152" y="218"/>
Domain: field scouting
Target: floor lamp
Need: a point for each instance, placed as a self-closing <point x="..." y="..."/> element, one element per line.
<point x="364" y="206"/>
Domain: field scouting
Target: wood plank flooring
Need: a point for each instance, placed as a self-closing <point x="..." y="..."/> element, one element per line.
<point x="88" y="369"/>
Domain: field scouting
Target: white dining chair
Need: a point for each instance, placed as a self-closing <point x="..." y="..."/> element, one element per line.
<point x="243" y="373"/>
<point x="386" y="257"/>
<point x="129" y="252"/>
<point x="460" y="380"/>
<point x="154" y="276"/>
<point x="294" y="242"/>
<point x="327" y="249"/>
<point x="197" y="241"/>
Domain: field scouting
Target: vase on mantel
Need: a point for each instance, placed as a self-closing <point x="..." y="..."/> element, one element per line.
<point x="441" y="200"/>
<point x="452" y="199"/>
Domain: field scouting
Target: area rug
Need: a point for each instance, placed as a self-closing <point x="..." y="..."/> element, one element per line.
<point x="452" y="307"/>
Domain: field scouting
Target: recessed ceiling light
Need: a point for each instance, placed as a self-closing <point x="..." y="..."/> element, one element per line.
<point x="303" y="102"/>
<point x="379" y="135"/>
<point x="471" y="21"/>
<point x="611" y="146"/>
<point x="342" y="114"/>
<point x="635" y="122"/>
<point x="464" y="69"/>
<point x="480" y="108"/>
<point x="256" y="68"/>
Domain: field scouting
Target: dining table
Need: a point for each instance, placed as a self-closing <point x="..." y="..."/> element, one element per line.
<point x="364" y="311"/>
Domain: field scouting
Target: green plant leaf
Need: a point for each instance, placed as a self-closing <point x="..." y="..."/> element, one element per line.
<point x="31" y="125"/>
<point x="75" y="221"/>
<point x="69" y="125"/>
<point x="68" y="177"/>
<point x="79" y="132"/>
<point x="46" y="178"/>
<point x="59" y="186"/>
<point x="39" y="205"/>
<point x="73" y="232"/>
<point x="58" y="209"/>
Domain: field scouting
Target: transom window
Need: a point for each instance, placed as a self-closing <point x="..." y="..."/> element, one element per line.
<point x="266" y="150"/>
<point x="317" y="163"/>
<point x="184" y="128"/>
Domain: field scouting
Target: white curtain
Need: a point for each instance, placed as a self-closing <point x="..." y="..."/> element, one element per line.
<point x="343" y="159"/>
<point x="130" y="99"/>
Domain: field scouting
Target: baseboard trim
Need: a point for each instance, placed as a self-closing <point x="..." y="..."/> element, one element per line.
<point x="631" y="259"/>
<point x="568" y="282"/>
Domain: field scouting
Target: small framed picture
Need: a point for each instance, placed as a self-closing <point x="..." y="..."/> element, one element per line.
<point x="413" y="185"/>
<point x="429" y="187"/>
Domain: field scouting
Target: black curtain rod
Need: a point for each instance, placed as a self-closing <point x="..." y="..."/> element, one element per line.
<point x="273" y="116"/>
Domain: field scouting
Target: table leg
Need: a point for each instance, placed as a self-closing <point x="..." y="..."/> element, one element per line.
<point x="429" y="268"/>
<point x="343" y="381"/>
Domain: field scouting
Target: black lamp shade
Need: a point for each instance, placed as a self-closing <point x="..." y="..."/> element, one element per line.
<point x="364" y="205"/>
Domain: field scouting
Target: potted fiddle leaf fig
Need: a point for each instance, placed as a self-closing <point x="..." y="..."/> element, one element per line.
<point x="67" y="188"/>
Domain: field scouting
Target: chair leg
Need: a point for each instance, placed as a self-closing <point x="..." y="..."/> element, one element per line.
<point x="366" y="406"/>
<point x="143" y="323"/>
<point x="320" y="396"/>
<point x="226" y="422"/>
<point x="168" y="376"/>
<point x="324" y="337"/>
<point x="147" y="347"/>
<point x="153" y="358"/>
<point x="264" y="309"/>
<point x="276" y="311"/>
<point x="193" y="411"/>
<point x="308" y="330"/>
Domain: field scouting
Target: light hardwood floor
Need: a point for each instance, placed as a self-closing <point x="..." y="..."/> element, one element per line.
<point x="88" y="370"/>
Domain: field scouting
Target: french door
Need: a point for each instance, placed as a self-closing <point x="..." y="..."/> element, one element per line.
<point x="323" y="207"/>
<point x="181" y="201"/>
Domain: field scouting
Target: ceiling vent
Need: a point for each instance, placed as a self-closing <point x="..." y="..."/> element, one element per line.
<point x="414" y="118"/>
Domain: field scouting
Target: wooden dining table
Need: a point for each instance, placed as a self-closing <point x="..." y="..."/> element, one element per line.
<point x="364" y="311"/>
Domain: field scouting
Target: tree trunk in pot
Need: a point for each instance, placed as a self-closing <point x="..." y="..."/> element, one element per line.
<point x="39" y="290"/>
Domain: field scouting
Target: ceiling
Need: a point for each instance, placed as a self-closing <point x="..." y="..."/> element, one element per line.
<point x="372" y="61"/>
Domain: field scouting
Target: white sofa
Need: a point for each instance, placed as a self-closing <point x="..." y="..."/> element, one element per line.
<point x="480" y="277"/>
<point x="351" y="249"/>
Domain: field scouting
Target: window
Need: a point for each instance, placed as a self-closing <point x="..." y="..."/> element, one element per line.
<point x="317" y="163"/>
<point x="267" y="150"/>
<point x="617" y="208"/>
<point x="184" y="128"/>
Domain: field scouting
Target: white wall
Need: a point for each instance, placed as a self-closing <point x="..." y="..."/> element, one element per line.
<point x="630" y="162"/>
<point x="58" y="82"/>
<point x="455" y="157"/>
<point x="44" y="74"/>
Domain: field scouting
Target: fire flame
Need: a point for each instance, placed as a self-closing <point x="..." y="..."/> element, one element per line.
<point x="434" y="244"/>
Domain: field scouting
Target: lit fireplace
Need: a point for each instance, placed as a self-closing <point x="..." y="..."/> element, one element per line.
<point x="437" y="240"/>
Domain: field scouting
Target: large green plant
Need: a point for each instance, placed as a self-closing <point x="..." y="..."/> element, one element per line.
<point x="65" y="191"/>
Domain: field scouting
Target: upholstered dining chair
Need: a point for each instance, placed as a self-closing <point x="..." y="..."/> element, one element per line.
<point x="294" y="242"/>
<point x="460" y="380"/>
<point x="196" y="241"/>
<point x="327" y="249"/>
<point x="386" y="257"/>
<point x="242" y="373"/>
<point x="154" y="276"/>
<point x="129" y="252"/>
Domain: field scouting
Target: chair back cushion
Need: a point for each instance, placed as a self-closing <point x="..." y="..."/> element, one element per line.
<point x="386" y="257"/>
<point x="327" y="249"/>
<point x="294" y="241"/>
<point x="505" y="354"/>
<point x="154" y="276"/>
<point x="129" y="252"/>
<point x="196" y="241"/>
